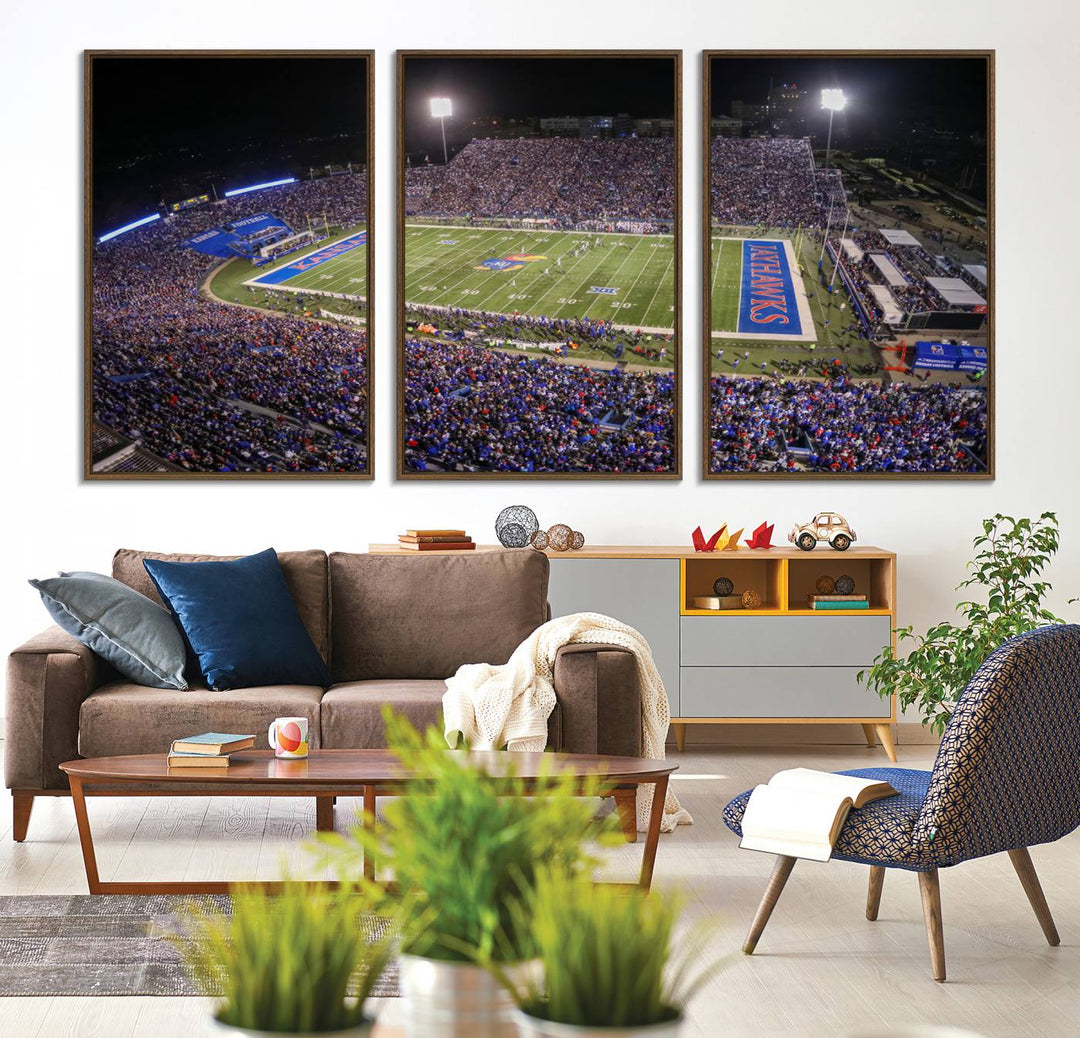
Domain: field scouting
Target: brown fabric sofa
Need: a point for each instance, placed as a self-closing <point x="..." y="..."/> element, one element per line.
<point x="391" y="629"/>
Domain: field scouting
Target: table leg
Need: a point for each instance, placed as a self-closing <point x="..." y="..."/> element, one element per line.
<point x="652" y="837"/>
<point x="369" y="823"/>
<point x="86" y="838"/>
<point x="324" y="814"/>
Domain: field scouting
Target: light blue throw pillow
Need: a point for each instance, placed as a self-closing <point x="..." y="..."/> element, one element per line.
<point x="136" y="635"/>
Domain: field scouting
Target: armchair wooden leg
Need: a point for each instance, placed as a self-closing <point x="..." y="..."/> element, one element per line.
<point x="931" y="906"/>
<point x="680" y="736"/>
<point x="871" y="739"/>
<point x="873" y="892"/>
<point x="781" y="871"/>
<point x="884" y="732"/>
<point x="1021" y="860"/>
<point x="21" y="804"/>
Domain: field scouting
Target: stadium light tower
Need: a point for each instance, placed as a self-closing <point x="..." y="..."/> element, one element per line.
<point x="442" y="109"/>
<point x="833" y="99"/>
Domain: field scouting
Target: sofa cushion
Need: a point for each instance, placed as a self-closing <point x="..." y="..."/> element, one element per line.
<point x="397" y="616"/>
<point x="239" y="617"/>
<point x="122" y="717"/>
<point x="304" y="571"/>
<point x="352" y="712"/>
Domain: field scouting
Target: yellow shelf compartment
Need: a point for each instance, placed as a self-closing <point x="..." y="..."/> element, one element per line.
<point x="766" y="576"/>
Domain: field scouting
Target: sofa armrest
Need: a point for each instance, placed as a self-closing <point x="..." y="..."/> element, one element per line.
<point x="599" y="699"/>
<point x="47" y="680"/>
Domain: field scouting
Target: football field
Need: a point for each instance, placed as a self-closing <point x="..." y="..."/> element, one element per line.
<point x="337" y="266"/>
<point x="623" y="279"/>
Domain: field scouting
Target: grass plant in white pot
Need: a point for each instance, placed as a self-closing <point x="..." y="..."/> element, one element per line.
<point x="298" y="962"/>
<point x="607" y="966"/>
<point x="465" y="848"/>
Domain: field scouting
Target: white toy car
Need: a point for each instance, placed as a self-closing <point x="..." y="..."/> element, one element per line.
<point x="825" y="526"/>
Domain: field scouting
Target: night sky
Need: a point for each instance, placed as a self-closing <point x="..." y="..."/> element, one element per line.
<point x="165" y="128"/>
<point x="929" y="114"/>
<point x="515" y="87"/>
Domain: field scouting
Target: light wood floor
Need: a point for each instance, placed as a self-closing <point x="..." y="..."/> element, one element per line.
<point x="820" y="969"/>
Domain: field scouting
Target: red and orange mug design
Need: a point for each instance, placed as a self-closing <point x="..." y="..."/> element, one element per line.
<point x="288" y="737"/>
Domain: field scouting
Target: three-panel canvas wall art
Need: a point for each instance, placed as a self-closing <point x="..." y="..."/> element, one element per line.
<point x="845" y="298"/>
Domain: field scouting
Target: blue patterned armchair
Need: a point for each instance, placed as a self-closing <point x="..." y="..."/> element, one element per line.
<point x="1006" y="777"/>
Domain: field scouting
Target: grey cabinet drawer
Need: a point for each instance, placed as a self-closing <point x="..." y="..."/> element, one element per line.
<point x="779" y="641"/>
<point x="778" y="692"/>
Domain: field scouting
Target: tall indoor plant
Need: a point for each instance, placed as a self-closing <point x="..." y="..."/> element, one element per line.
<point x="1006" y="571"/>
<point x="608" y="965"/>
<point x="298" y="962"/>
<point x="465" y="848"/>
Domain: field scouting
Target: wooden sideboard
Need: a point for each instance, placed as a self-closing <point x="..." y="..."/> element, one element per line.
<point x="781" y="663"/>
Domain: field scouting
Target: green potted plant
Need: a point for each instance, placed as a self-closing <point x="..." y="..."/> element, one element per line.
<point x="1010" y="557"/>
<point x="606" y="961"/>
<point x="465" y="849"/>
<point x="298" y="962"/>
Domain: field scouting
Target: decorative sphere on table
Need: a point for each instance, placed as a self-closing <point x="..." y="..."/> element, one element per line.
<point x="539" y="540"/>
<point x="845" y="585"/>
<point x="825" y="584"/>
<point x="577" y="542"/>
<point x="515" y="526"/>
<point x="751" y="599"/>
<point x="560" y="537"/>
<point x="723" y="586"/>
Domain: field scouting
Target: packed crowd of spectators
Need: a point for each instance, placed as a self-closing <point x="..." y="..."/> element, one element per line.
<point x="568" y="179"/>
<point x="469" y="408"/>
<point x="212" y="387"/>
<point x="844" y="426"/>
<point x="770" y="181"/>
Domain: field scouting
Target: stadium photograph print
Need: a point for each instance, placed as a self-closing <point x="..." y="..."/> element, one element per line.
<point x="228" y="275"/>
<point x="849" y="264"/>
<point x="538" y="276"/>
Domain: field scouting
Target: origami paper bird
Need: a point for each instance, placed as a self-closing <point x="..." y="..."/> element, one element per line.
<point x="733" y="541"/>
<point x="700" y="544"/>
<point x="762" y="536"/>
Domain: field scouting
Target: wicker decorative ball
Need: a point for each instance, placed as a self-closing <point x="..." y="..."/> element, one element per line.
<point x="515" y="526"/>
<point x="577" y="542"/>
<point x="751" y="599"/>
<point x="845" y="585"/>
<point x="539" y="540"/>
<point x="825" y="585"/>
<point x="560" y="537"/>
<point x="723" y="586"/>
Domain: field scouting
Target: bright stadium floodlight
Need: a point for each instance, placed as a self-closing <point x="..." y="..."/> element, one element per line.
<point x="834" y="100"/>
<point x="259" y="187"/>
<point x="129" y="227"/>
<point x="442" y="108"/>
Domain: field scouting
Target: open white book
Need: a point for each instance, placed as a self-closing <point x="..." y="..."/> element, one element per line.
<point x="801" y="811"/>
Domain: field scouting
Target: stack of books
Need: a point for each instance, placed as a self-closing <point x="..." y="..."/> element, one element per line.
<point x="436" y="540"/>
<point x="838" y="601"/>
<point x="209" y="750"/>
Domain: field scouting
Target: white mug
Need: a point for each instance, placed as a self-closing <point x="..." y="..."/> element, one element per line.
<point x="288" y="737"/>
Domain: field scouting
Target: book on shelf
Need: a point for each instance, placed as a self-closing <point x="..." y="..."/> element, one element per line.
<point x="717" y="602"/>
<point x="436" y="545"/>
<point x="857" y="603"/>
<point x="800" y="812"/>
<point x="197" y="760"/>
<point x="435" y="538"/>
<point x="837" y="598"/>
<point x="212" y="744"/>
<point x="457" y="534"/>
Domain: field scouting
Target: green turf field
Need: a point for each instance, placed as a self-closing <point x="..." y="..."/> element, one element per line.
<point x="637" y="273"/>
<point x="726" y="281"/>
<point x="345" y="275"/>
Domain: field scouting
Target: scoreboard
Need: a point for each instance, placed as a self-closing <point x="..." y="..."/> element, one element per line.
<point x="189" y="203"/>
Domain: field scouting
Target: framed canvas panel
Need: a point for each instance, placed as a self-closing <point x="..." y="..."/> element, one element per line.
<point x="848" y="265"/>
<point x="538" y="264"/>
<point x="228" y="264"/>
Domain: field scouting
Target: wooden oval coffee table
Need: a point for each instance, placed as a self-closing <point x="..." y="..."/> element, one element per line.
<point x="327" y="774"/>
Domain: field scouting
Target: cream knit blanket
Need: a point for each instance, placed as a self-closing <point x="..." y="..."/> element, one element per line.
<point x="493" y="706"/>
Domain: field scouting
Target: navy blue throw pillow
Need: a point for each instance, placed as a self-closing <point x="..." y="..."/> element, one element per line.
<point x="240" y="621"/>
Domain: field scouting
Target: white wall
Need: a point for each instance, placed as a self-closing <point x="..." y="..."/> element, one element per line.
<point x="56" y="521"/>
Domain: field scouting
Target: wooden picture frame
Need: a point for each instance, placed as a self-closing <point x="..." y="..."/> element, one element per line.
<point x="406" y="469"/>
<point x="270" y="440"/>
<point x="981" y="464"/>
